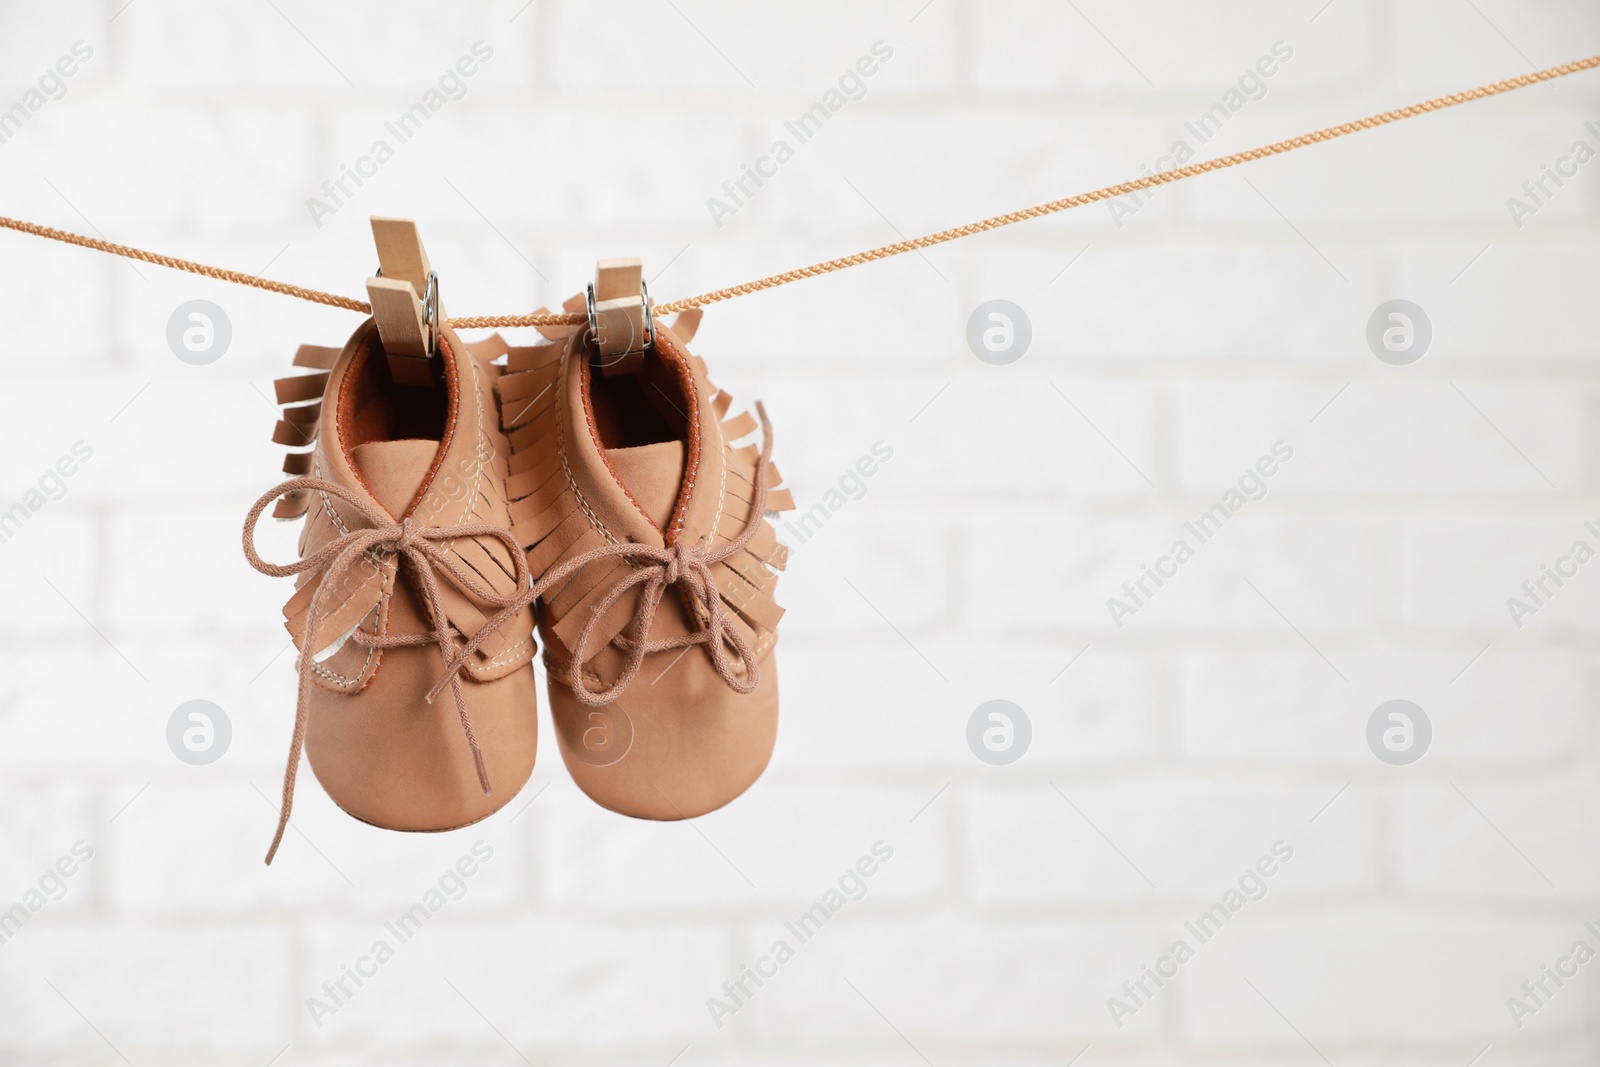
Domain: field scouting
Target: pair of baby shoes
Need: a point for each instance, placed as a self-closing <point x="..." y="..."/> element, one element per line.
<point x="461" y="507"/>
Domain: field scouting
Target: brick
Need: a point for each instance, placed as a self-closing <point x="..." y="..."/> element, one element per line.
<point x="1095" y="557"/>
<point x="1386" y="436"/>
<point x="39" y="825"/>
<point x="1233" y="706"/>
<point x="251" y="676"/>
<point x="843" y="709"/>
<point x="98" y="732"/>
<point x="849" y="579"/>
<point x="1165" y="840"/>
<point x="68" y="326"/>
<point x="123" y="693"/>
<point x="761" y="856"/>
<point x="1058" y="972"/>
<point x="242" y="166"/>
<point x="1087" y="706"/>
<point x="56" y="545"/>
<point x="866" y="705"/>
<point x="695" y="157"/>
<point x="50" y="35"/>
<point x="1126" y="297"/>
<point x="1464" y="573"/>
<point x="1027" y="45"/>
<point x="1512" y="302"/>
<point x="1499" y="36"/>
<point x="185" y="44"/>
<point x="1009" y="161"/>
<point x="222" y="425"/>
<point x="1463" y="839"/>
<point x="1356" y="977"/>
<point x="719" y="48"/>
<point x="1012" y="51"/>
<point x="1388" y="179"/>
<point x="191" y="850"/>
<point x="158" y="868"/>
<point x="857" y="469"/>
<point x="541" y="982"/>
<point x="140" y="595"/>
<point x="1038" y="438"/>
<point x="148" y="988"/>
<point x="66" y="408"/>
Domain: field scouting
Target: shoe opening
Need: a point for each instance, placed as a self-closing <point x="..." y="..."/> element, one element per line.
<point x="393" y="433"/>
<point x="642" y="423"/>
<point x="646" y="407"/>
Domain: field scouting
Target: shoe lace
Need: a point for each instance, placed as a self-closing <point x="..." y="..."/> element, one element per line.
<point x="419" y="546"/>
<point x="686" y="565"/>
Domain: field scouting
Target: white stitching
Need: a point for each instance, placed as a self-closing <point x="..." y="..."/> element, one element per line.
<point x="340" y="679"/>
<point x="561" y="450"/>
<point x="505" y="656"/>
<point x="478" y="451"/>
<point x="722" y="489"/>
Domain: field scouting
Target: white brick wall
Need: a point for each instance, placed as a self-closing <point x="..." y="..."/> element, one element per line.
<point x="1228" y="714"/>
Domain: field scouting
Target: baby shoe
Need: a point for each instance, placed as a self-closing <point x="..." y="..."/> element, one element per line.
<point x="624" y="487"/>
<point x="405" y="553"/>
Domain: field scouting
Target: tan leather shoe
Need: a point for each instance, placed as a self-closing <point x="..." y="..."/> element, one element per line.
<point x="626" y="488"/>
<point x="405" y="552"/>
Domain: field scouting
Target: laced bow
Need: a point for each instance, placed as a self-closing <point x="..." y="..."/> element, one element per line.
<point x="418" y="545"/>
<point x="687" y="566"/>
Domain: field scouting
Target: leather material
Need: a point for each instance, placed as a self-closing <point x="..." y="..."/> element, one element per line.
<point x="395" y="470"/>
<point x="692" y="744"/>
<point x="678" y="741"/>
<point x="390" y="759"/>
<point x="651" y="474"/>
<point x="465" y="484"/>
<point x="380" y="750"/>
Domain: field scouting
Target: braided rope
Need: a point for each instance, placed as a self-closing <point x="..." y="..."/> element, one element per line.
<point x="316" y="296"/>
<point x="1162" y="178"/>
<point x="1150" y="181"/>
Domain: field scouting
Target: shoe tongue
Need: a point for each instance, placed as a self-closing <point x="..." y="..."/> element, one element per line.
<point x="394" y="470"/>
<point x="652" y="474"/>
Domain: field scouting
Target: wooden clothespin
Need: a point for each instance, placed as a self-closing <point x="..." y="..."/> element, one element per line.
<point x="620" y="315"/>
<point x="405" y="301"/>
